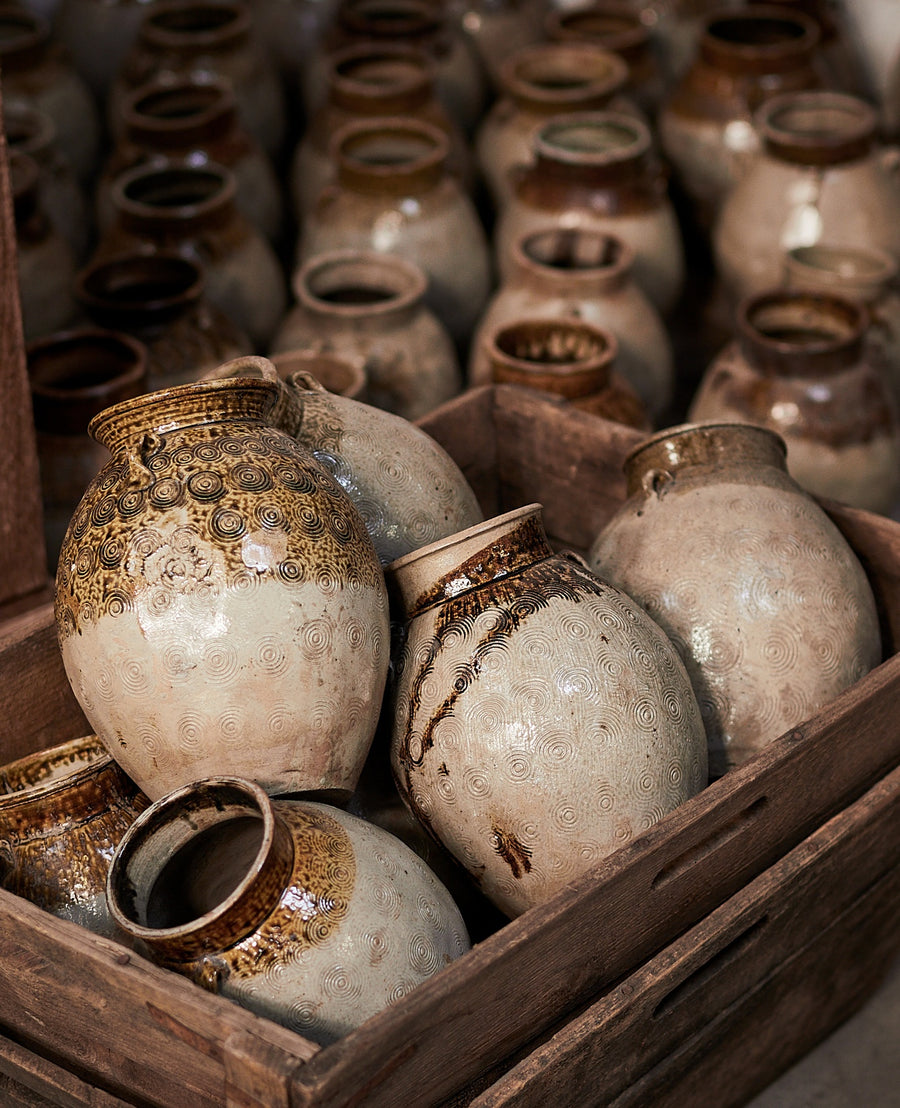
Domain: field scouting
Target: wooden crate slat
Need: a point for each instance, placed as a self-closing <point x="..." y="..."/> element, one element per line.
<point x="33" y="1080"/>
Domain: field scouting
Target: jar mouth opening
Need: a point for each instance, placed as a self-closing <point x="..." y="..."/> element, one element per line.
<point x="558" y="73"/>
<point x="172" y="105"/>
<point x="700" y="442"/>
<point x="757" y="31"/>
<point x="28" y="128"/>
<point x="384" y="68"/>
<point x="178" y="25"/>
<point x="140" y="282"/>
<point x="79" y="365"/>
<point x="613" y="28"/>
<point x="390" y="18"/>
<point x="576" y="250"/>
<point x="354" y="284"/>
<point x="817" y="126"/>
<point x="592" y="137"/>
<point x="383" y="147"/>
<point x="540" y="344"/>
<point x="849" y="262"/>
<point x="177" y="189"/>
<point x="790" y="323"/>
<point x="54" y="770"/>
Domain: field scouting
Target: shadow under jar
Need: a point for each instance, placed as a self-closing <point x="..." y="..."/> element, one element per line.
<point x="799" y="367"/>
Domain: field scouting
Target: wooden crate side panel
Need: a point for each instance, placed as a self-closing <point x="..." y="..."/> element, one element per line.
<point x="133" y="1029"/>
<point x="630" y="1048"/>
<point x="33" y="1080"/>
<point x="464" y="427"/>
<point x="491" y="1002"/>
<point x="40" y="709"/>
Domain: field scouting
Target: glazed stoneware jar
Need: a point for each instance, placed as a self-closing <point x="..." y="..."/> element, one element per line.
<point x="369" y="309"/>
<point x="192" y="209"/>
<point x="406" y="487"/>
<point x="394" y="194"/>
<point x="36" y="70"/>
<point x="213" y="38"/>
<point x="567" y="358"/>
<point x="196" y="118"/>
<point x="74" y="375"/>
<point x="334" y="374"/>
<point x="219" y="602"/>
<point x="620" y="28"/>
<point x="598" y="170"/>
<point x="866" y="274"/>
<point x="767" y="604"/>
<point x="821" y="177"/>
<point x="63" y="812"/>
<point x="541" y="719"/>
<point x="365" y="81"/>
<point x="586" y="275"/>
<point x="799" y="366"/>
<point x="706" y="122"/>
<point x="537" y="83"/>
<point x="160" y="299"/>
<point x="296" y="910"/>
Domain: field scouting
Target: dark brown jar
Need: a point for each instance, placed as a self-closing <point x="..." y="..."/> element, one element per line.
<point x="706" y="124"/>
<point x="194" y="117"/>
<point x="800" y="367"/>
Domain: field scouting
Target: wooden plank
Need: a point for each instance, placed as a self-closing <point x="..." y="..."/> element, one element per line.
<point x="23" y="560"/>
<point x="718" y="1014"/>
<point x="28" y="1079"/>
<point x="139" y="1031"/>
<point x="467" y="423"/>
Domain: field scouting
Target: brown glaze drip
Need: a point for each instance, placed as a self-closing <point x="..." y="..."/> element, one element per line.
<point x="516" y="855"/>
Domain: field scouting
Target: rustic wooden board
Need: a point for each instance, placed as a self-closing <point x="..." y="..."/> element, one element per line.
<point x="732" y="1003"/>
<point x="29" y="1080"/>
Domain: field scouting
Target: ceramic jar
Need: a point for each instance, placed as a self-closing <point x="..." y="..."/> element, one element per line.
<point x="177" y="205"/>
<point x="63" y="812"/>
<point x="44" y="260"/>
<point x="497" y="29"/>
<point x="567" y="358"/>
<point x="296" y="910"/>
<point x="586" y="275"/>
<point x="366" y="81"/>
<point x="334" y="374"/>
<point x="460" y="83"/>
<point x="798" y="366"/>
<point x="874" y="36"/>
<point x="406" y="487"/>
<point x="537" y="83"/>
<point x="98" y="34"/>
<point x="160" y="300"/>
<point x="73" y="375"/>
<point x="212" y="38"/>
<point x="706" y="122"/>
<point x="36" y="70"/>
<point x="219" y="603"/>
<point x="60" y="194"/>
<point x="766" y="602"/>
<point x="394" y="194"/>
<point x="541" y="719"/>
<point x="598" y="170"/>
<point x="194" y="118"/>
<point x="369" y="309"/>
<point x="860" y="273"/>
<point x="620" y="28"/>
<point x="821" y="177"/>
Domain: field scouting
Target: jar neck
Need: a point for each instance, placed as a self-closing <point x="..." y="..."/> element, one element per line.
<point x="701" y="448"/>
<point x="759" y="40"/>
<point x="573" y="259"/>
<point x="817" y="128"/>
<point x="480" y="555"/>
<point x="188" y="29"/>
<point x="139" y="292"/>
<point x="356" y="286"/>
<point x="615" y="27"/>
<point x="859" y="273"/>
<point x="187" y="114"/>
<point x="380" y="80"/>
<point x="553" y="78"/>
<point x="595" y="149"/>
<point x="177" y="198"/>
<point x="241" y="400"/>
<point x="392" y="20"/>
<point x="800" y="334"/>
<point x="75" y="772"/>
<point x="569" y="359"/>
<point x="391" y="156"/>
<point x="217" y="852"/>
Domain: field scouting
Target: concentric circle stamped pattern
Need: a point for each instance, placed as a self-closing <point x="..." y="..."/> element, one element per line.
<point x="767" y="605"/>
<point x="221" y="609"/>
<point x="362" y="922"/>
<point x="541" y="722"/>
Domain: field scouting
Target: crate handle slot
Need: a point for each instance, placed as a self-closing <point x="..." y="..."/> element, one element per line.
<point x="715" y="841"/>
<point x="716" y="965"/>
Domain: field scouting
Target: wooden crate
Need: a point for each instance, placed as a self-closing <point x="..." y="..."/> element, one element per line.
<point x="85" y="1022"/>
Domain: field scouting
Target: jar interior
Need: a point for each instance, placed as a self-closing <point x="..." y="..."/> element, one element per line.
<point x="203" y="873"/>
<point x="800" y="324"/>
<point x="178" y="103"/>
<point x="53" y="765"/>
<point x="388" y="148"/>
<point x="817" y="122"/>
<point x="548" y="343"/>
<point x="591" y="138"/>
<point x="756" y="32"/>
<point x="381" y="72"/>
<point x="194" y="19"/>
<point x="173" y="188"/>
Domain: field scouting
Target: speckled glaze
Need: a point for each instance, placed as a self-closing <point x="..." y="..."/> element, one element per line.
<point x="866" y="274"/>
<point x="194" y="117"/>
<point x="176" y="205"/>
<point x="584" y="275"/>
<point x="567" y="358"/>
<point x="160" y="299"/>
<point x="367" y="80"/>
<point x="799" y="366"/>
<point x="394" y="194"/>
<point x="820" y="177"/>
<point x="296" y="910"/>
<point x="63" y="812"/>
<point x="37" y="70"/>
<point x="598" y="170"/>
<point x="541" y="719"/>
<point x="219" y="602"/>
<point x="369" y="309"/>
<point x="212" y="38"/>
<point x="706" y="122"/>
<point x="538" y="82"/>
<point x="764" y="599"/>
